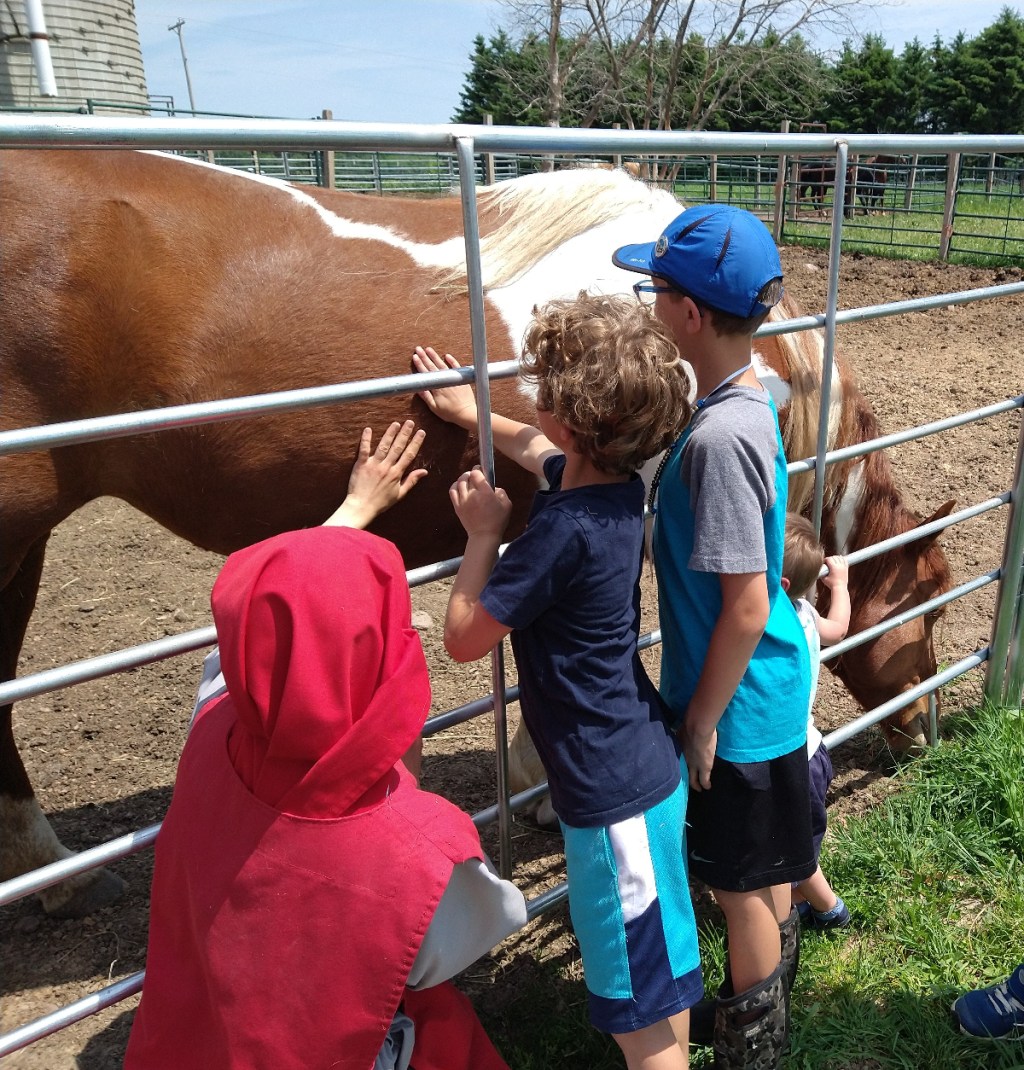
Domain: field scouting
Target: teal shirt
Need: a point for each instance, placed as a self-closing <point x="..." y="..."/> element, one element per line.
<point x="721" y="508"/>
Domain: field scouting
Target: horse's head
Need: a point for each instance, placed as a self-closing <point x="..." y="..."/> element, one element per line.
<point x="900" y="659"/>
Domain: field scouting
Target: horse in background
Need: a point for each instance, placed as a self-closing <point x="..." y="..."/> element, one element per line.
<point x="814" y="180"/>
<point x="865" y="182"/>
<point x="134" y="280"/>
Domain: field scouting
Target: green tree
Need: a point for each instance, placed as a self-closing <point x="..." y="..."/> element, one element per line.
<point x="502" y="82"/>
<point x="994" y="77"/>
<point x="867" y="96"/>
<point x="952" y="107"/>
<point x="914" y="77"/>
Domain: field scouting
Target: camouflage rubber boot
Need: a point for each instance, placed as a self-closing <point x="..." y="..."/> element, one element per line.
<point x="702" y="1014"/>
<point x="751" y="1028"/>
<point x="789" y="932"/>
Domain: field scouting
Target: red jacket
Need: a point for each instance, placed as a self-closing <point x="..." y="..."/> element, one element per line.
<point x="299" y="866"/>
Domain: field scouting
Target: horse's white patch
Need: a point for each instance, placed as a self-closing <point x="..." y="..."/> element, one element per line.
<point x="846" y="511"/>
<point x="446" y="254"/>
<point x="28" y="840"/>
<point x="581" y="263"/>
<point x="769" y="378"/>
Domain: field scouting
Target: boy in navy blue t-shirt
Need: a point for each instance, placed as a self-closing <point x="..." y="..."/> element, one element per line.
<point x="611" y="394"/>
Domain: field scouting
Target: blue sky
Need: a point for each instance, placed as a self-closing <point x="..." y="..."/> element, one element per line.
<point x="388" y="60"/>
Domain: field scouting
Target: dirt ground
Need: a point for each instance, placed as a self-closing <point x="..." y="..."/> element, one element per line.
<point x="102" y="756"/>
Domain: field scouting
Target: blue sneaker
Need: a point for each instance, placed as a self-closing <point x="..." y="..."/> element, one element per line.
<point x="836" y="918"/>
<point x="995" y="1013"/>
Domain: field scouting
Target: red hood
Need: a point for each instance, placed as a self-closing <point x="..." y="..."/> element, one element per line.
<point x="324" y="670"/>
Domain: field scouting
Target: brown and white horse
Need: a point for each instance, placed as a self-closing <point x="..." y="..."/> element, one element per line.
<point x="134" y="280"/>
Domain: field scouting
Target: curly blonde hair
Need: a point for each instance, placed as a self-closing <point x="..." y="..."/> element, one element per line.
<point x="610" y="371"/>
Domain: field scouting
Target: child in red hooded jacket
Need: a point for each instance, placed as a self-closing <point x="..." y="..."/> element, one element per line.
<point x="300" y="868"/>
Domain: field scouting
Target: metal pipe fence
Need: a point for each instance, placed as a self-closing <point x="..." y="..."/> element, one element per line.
<point x="469" y="145"/>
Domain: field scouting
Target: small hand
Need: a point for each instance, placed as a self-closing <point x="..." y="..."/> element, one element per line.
<point x="380" y="477"/>
<point x="481" y="508"/>
<point x="838" y="572"/>
<point x="699" y="752"/>
<point x="455" y="404"/>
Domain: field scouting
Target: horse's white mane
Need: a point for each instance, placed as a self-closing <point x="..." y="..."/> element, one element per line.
<point x="537" y="213"/>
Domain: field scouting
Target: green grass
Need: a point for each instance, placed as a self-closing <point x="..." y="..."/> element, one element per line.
<point x="934" y="878"/>
<point x="988" y="230"/>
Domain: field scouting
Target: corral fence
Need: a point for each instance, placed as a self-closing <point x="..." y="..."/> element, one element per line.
<point x="944" y="204"/>
<point x="1003" y="657"/>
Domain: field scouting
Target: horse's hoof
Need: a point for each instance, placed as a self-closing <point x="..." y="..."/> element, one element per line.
<point x="541" y="817"/>
<point x="81" y="896"/>
<point x="546" y="817"/>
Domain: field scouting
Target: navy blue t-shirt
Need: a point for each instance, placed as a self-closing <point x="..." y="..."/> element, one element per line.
<point x="569" y="588"/>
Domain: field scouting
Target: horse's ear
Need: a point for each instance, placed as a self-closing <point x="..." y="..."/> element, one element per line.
<point x="943" y="510"/>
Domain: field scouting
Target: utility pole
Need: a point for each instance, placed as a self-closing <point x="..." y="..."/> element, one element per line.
<point x="184" y="59"/>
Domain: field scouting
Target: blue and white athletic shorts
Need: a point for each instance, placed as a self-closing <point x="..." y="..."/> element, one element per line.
<point x="629" y="899"/>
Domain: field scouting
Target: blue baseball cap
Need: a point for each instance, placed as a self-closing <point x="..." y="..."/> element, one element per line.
<point x="720" y="255"/>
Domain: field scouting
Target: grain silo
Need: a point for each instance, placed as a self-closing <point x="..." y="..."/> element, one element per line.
<point x="95" y="51"/>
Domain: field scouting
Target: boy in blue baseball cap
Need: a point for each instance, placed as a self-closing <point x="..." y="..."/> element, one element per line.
<point x="735" y="669"/>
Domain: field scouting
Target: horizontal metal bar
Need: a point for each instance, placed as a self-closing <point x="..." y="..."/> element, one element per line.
<point x="879" y="713"/>
<point x="34" y="131"/>
<point x="489" y="814"/>
<point x="73" y="1012"/>
<point x="899" y="619"/>
<point x="129" y="986"/>
<point x="893" y="308"/>
<point x="79" y="672"/>
<point x="546" y="900"/>
<point x="933" y="527"/>
<point x="897" y="438"/>
<point x="91" y="858"/>
<point x="121" y="425"/>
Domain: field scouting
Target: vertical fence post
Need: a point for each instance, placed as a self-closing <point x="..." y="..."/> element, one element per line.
<point x="471" y="226"/>
<point x="780" y="189"/>
<point x="327" y="158"/>
<point x="949" y="208"/>
<point x="713" y="178"/>
<point x="489" y="157"/>
<point x="793" y="206"/>
<point x="829" y="352"/>
<point x="908" y="197"/>
<point x="1005" y="677"/>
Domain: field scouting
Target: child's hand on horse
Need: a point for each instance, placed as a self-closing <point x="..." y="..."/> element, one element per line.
<point x="454" y="404"/>
<point x="482" y="510"/>
<point x="380" y="477"/>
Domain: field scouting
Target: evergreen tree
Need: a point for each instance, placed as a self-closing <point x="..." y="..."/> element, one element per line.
<point x="867" y="96"/>
<point x="952" y="107"/>
<point x="501" y="82"/>
<point x="994" y="78"/>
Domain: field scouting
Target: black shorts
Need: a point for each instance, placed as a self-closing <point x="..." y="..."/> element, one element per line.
<point x="752" y="828"/>
<point x="819" y="769"/>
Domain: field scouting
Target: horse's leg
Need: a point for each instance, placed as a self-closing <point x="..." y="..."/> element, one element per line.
<point x="26" y="839"/>
<point x="525" y="770"/>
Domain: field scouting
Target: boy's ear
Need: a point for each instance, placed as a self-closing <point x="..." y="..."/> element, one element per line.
<point x="784" y="584"/>
<point x="693" y="320"/>
<point x="563" y="435"/>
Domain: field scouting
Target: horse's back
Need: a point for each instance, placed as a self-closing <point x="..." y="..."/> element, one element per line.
<point x="136" y="281"/>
